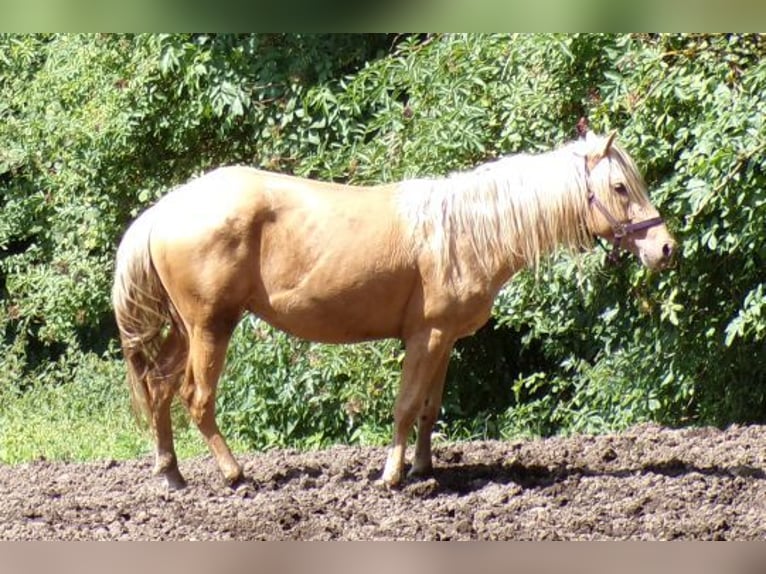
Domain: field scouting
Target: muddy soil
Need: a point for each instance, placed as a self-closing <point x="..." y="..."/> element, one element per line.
<point x="647" y="483"/>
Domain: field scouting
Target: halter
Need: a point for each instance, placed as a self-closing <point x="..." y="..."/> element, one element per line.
<point x="620" y="229"/>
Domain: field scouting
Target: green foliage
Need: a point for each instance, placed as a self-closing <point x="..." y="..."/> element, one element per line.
<point x="280" y="392"/>
<point x="95" y="127"/>
<point x="686" y="346"/>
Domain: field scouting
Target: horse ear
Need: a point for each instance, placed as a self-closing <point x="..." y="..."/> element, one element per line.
<point x="594" y="157"/>
<point x="609" y="142"/>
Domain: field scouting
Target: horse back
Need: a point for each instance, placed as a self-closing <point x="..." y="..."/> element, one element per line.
<point x="323" y="261"/>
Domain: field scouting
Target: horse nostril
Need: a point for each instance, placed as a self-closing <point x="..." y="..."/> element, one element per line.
<point x="667" y="251"/>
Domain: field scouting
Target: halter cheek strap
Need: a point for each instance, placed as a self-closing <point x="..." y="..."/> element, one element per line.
<point x="620" y="229"/>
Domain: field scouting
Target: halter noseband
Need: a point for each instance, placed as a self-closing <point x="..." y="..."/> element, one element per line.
<point x="620" y="229"/>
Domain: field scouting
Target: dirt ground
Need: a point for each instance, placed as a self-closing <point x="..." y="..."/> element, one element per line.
<point x="647" y="483"/>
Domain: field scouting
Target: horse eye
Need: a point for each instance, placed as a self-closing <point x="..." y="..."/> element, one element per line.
<point x="621" y="189"/>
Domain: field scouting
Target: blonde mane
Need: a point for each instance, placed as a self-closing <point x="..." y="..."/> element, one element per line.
<point x="515" y="210"/>
<point x="511" y="211"/>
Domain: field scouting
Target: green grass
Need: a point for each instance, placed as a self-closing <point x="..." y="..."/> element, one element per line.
<point x="87" y="418"/>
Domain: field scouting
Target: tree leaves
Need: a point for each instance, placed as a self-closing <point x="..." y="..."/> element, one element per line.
<point x="95" y="127"/>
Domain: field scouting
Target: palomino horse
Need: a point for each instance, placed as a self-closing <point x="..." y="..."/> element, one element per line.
<point x="420" y="260"/>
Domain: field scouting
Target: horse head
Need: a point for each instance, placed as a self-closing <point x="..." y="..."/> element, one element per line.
<point x="619" y="206"/>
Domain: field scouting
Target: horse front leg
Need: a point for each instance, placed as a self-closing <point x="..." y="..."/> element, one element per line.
<point x="424" y="357"/>
<point x="422" y="464"/>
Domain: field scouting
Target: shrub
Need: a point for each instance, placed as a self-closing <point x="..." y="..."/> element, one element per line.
<point x="96" y="127"/>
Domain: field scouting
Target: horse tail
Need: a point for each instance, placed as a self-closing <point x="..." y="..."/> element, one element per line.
<point x="145" y="315"/>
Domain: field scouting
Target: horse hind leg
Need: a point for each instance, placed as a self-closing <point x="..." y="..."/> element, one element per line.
<point x="162" y="384"/>
<point x="207" y="354"/>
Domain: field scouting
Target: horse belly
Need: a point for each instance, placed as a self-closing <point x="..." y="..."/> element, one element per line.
<point x="338" y="313"/>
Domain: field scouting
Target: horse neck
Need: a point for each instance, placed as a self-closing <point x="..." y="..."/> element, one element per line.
<point x="543" y="206"/>
<point x="501" y="216"/>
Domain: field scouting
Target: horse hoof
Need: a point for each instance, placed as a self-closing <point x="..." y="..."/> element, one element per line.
<point x="172" y="477"/>
<point x="423" y="472"/>
<point x="390" y="483"/>
<point x="237" y="482"/>
<point x="175" y="482"/>
<point x="386" y="486"/>
<point x="243" y="488"/>
<point x="233" y="476"/>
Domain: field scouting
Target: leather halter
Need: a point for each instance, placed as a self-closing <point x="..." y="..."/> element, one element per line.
<point x="620" y="229"/>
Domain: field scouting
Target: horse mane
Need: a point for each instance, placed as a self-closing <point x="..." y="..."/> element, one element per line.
<point x="511" y="211"/>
